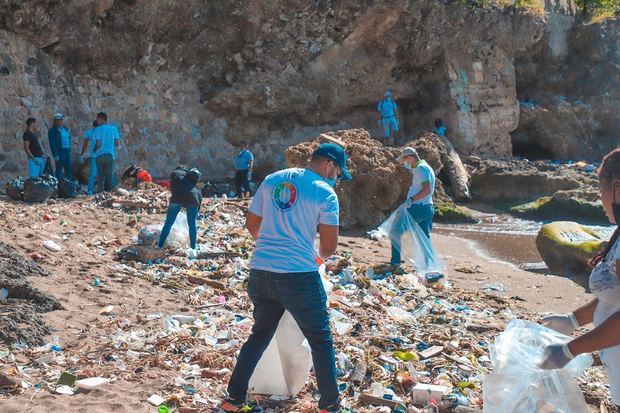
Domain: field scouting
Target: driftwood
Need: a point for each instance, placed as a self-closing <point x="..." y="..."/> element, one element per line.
<point x="459" y="179"/>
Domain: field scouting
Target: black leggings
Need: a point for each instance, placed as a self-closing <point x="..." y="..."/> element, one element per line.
<point x="242" y="184"/>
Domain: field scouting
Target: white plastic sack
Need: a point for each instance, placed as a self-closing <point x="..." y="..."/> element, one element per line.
<point x="285" y="366"/>
<point x="414" y="246"/>
<point x="518" y="385"/>
<point x="178" y="238"/>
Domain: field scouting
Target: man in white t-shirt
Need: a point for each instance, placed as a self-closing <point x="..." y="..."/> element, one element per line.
<point x="419" y="196"/>
<point x="284" y="216"/>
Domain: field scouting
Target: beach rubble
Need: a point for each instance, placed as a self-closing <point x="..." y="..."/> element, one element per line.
<point x="384" y="359"/>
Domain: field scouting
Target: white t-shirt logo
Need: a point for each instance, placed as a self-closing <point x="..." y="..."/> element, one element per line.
<point x="284" y="195"/>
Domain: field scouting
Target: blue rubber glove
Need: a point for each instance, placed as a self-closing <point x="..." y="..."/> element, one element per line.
<point x="556" y="357"/>
<point x="408" y="203"/>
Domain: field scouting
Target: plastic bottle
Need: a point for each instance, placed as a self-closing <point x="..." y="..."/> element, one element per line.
<point x="56" y="346"/>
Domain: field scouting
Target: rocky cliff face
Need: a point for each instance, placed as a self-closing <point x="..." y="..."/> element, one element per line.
<point x="185" y="80"/>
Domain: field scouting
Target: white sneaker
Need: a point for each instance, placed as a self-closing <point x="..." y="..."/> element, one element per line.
<point x="192" y="253"/>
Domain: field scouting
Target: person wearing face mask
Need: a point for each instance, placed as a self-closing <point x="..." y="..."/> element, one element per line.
<point x="419" y="200"/>
<point x="604" y="311"/>
<point x="283" y="217"/>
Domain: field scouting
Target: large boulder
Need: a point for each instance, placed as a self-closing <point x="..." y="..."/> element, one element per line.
<point x="566" y="247"/>
<point x="379" y="182"/>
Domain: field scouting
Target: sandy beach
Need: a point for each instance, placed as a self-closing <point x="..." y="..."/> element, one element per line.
<point x="90" y="235"/>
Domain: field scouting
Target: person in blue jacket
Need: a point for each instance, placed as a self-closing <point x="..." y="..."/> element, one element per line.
<point x="388" y="110"/>
<point x="60" y="145"/>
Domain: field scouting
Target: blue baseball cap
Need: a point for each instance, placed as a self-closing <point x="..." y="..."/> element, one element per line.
<point x="334" y="153"/>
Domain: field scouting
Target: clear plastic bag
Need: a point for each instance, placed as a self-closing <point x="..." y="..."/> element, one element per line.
<point x="518" y="385"/>
<point x="178" y="238"/>
<point x="414" y="246"/>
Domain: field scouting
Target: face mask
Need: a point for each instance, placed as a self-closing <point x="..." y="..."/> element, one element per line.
<point x="330" y="181"/>
<point x="408" y="166"/>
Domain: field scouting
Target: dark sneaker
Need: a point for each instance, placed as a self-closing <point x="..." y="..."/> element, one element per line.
<point x="337" y="409"/>
<point x="227" y="407"/>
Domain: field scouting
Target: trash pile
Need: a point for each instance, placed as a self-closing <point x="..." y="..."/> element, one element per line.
<point x="403" y="344"/>
<point x="149" y="197"/>
<point x="20" y="302"/>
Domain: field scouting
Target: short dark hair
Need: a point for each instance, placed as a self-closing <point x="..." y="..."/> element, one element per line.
<point x="243" y="143"/>
<point x="102" y="115"/>
<point x="30" y="121"/>
<point x="438" y="122"/>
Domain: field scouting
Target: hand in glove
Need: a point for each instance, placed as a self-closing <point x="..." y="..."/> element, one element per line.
<point x="562" y="323"/>
<point x="556" y="357"/>
<point x="408" y="203"/>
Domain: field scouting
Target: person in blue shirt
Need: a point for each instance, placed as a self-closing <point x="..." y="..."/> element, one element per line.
<point x="60" y="145"/>
<point x="440" y="129"/>
<point x="89" y="144"/>
<point x="244" y="161"/>
<point x="419" y="199"/>
<point x="106" y="138"/>
<point x="388" y="110"/>
<point x="283" y="218"/>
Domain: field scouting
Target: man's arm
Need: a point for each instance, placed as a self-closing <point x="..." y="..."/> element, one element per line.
<point x="97" y="145"/>
<point x="328" y="241"/>
<point x="252" y="223"/>
<point x="85" y="146"/>
<point x="250" y="164"/>
<point x="53" y="136"/>
<point x="27" y="149"/>
<point x="426" y="189"/>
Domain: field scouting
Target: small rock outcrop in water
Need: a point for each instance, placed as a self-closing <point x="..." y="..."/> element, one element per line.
<point x="567" y="246"/>
<point x="20" y="319"/>
<point x="572" y="205"/>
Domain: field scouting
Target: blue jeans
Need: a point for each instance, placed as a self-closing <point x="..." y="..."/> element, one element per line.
<point x="171" y="216"/>
<point x="423" y="216"/>
<point x="92" y="175"/>
<point x="389" y="125"/>
<point x="63" y="164"/>
<point x="35" y="167"/>
<point x="302" y="294"/>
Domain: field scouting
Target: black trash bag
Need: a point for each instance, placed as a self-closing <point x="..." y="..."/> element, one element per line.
<point x="49" y="167"/>
<point x="15" y="188"/>
<point x="67" y="188"/>
<point x="39" y="189"/>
